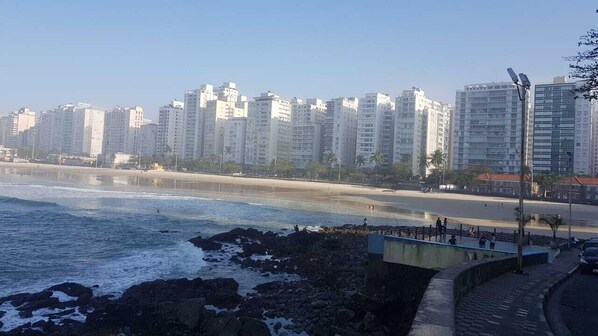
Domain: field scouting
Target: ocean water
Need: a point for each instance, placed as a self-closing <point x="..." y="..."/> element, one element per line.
<point x="57" y="230"/>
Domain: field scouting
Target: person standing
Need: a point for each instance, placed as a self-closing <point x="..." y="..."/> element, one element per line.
<point x="482" y="241"/>
<point x="438" y="226"/>
<point x="444" y="225"/>
<point x="492" y="241"/>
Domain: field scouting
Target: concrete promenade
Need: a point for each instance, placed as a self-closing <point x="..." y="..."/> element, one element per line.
<point x="512" y="304"/>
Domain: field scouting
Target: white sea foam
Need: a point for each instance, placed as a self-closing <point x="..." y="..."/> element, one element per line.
<point x="63" y="297"/>
<point x="183" y="260"/>
<point x="11" y="318"/>
<point x="285" y="322"/>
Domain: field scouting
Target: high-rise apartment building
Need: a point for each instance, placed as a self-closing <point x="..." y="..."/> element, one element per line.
<point x="268" y="130"/>
<point x="121" y="130"/>
<point x="487" y="127"/>
<point x="235" y="133"/>
<point x="76" y="129"/>
<point x="306" y="131"/>
<point x="372" y="111"/>
<point x="562" y="129"/>
<point x="422" y="126"/>
<point x="170" y="130"/>
<point x="229" y="104"/>
<point x="17" y="128"/>
<point x="340" y="129"/>
<point x="148" y="140"/>
<point x="194" y="120"/>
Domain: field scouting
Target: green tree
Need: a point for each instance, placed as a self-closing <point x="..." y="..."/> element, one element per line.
<point x="406" y="158"/>
<point x="585" y="65"/>
<point x="230" y="167"/>
<point x="436" y="159"/>
<point x="423" y="165"/>
<point x="314" y="170"/>
<point x="546" y="182"/>
<point x="377" y="158"/>
<point x="359" y="161"/>
<point x="402" y="170"/>
<point x="554" y="222"/>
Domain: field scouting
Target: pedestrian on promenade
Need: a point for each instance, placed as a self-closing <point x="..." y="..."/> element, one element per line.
<point x="438" y="226"/>
<point x="453" y="240"/>
<point x="493" y="241"/>
<point x="482" y="241"/>
<point x="365" y="223"/>
<point x="444" y="225"/>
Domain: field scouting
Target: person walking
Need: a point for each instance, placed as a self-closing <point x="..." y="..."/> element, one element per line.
<point x="438" y="226"/>
<point x="493" y="241"/>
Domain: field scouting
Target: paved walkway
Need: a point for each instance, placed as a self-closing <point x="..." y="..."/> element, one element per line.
<point x="511" y="304"/>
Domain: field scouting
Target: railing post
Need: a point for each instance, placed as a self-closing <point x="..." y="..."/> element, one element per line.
<point x="460" y="231"/>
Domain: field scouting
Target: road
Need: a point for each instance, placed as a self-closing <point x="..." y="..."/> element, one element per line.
<point x="572" y="307"/>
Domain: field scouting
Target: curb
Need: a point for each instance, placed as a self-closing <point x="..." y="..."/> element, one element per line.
<point x="549" y="291"/>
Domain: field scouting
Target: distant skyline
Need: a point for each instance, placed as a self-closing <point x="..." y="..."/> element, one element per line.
<point x="147" y="53"/>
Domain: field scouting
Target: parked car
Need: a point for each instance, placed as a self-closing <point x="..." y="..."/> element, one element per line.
<point x="591" y="243"/>
<point x="588" y="260"/>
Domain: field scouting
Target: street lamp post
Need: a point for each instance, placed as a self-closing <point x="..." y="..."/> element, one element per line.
<point x="522" y="89"/>
<point x="570" y="157"/>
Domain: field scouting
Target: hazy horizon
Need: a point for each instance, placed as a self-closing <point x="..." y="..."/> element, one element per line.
<point x="148" y="53"/>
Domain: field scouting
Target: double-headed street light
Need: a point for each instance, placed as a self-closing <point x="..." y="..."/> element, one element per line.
<point x="523" y="85"/>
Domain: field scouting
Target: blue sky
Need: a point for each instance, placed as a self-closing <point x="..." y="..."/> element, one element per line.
<point x="146" y="53"/>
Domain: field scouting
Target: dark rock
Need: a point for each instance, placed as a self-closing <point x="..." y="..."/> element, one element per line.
<point x="25" y="313"/>
<point x="344" y="315"/>
<point x="277" y="326"/>
<point x="205" y="244"/>
<point x="253" y="327"/>
<point x="188" y="312"/>
<point x="72" y="289"/>
<point x="371" y="323"/>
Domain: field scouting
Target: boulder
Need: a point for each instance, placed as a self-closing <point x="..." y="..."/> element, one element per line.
<point x="344" y="315"/>
<point x="253" y="327"/>
<point x="205" y="244"/>
<point x="188" y="312"/>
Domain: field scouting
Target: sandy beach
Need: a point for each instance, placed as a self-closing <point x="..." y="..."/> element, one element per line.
<point x="389" y="205"/>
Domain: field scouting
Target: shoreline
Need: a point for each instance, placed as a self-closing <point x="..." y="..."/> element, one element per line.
<point x="469" y="210"/>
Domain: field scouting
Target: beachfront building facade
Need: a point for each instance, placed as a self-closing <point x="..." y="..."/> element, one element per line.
<point x="487" y="128"/>
<point x="268" y="130"/>
<point x="170" y="130"/>
<point x="306" y="131"/>
<point x="340" y="130"/>
<point x="422" y="126"/>
<point x="76" y="129"/>
<point x="17" y="128"/>
<point x="88" y="130"/>
<point x="371" y="113"/>
<point x="148" y="140"/>
<point x="122" y="129"/>
<point x="229" y="104"/>
<point x="195" y="103"/>
<point x="235" y="133"/>
<point x="562" y="129"/>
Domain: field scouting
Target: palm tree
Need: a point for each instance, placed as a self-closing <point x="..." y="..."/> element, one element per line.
<point x="377" y="157"/>
<point x="437" y="159"/>
<point x="554" y="222"/>
<point x="331" y="159"/>
<point x="423" y="164"/>
<point x="405" y="158"/>
<point x="359" y="161"/>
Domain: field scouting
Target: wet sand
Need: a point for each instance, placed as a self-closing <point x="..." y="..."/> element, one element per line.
<point x="389" y="206"/>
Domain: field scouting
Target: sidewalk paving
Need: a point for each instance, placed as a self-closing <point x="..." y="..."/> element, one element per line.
<point x="511" y="304"/>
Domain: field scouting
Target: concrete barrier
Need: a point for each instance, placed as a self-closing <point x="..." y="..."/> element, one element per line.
<point x="436" y="312"/>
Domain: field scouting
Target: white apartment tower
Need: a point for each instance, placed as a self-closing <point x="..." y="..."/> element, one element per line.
<point x="487" y="127"/>
<point x="148" y="140"/>
<point x="121" y="130"/>
<point x="88" y="130"/>
<point x="268" y="130"/>
<point x="371" y="113"/>
<point x="306" y="131"/>
<point x="235" y="133"/>
<point x="229" y="104"/>
<point x="340" y="129"/>
<point x="170" y="130"/>
<point x="72" y="129"/>
<point x="194" y="118"/>
<point x="16" y="129"/>
<point x="422" y="126"/>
